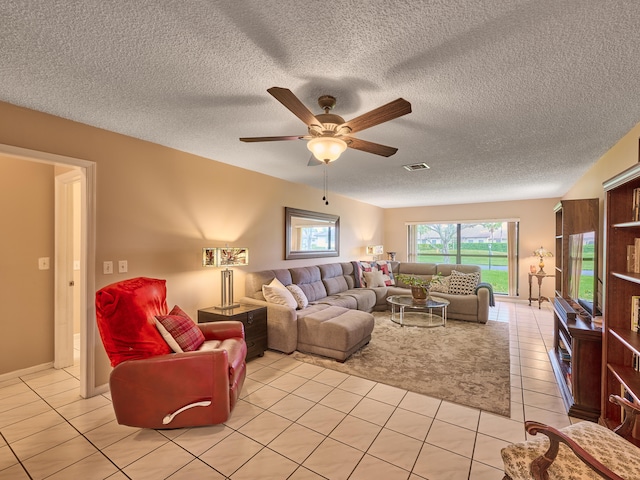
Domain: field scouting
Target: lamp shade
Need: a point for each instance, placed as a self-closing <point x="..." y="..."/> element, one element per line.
<point x="233" y="256"/>
<point x="326" y="149"/>
<point x="542" y="252"/>
<point x="209" y="257"/>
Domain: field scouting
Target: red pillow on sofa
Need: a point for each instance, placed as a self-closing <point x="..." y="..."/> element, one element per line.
<point x="179" y="331"/>
<point x="125" y="313"/>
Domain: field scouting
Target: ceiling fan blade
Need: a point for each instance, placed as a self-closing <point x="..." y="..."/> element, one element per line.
<point x="314" y="162"/>
<point x="379" y="115"/>
<point x="272" y="139"/>
<point x="369" y="147"/>
<point x="289" y="100"/>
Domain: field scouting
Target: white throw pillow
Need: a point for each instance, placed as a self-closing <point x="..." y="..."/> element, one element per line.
<point x="441" y="285"/>
<point x="298" y="294"/>
<point x="374" y="279"/>
<point x="277" y="293"/>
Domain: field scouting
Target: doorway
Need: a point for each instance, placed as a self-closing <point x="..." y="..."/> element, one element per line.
<point x="77" y="186"/>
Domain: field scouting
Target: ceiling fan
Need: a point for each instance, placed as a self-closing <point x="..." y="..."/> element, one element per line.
<point x="329" y="135"/>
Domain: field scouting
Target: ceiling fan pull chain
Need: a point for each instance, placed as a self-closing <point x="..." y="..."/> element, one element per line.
<point x="326" y="193"/>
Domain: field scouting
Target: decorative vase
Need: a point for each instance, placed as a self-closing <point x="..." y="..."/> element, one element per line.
<point x="391" y="256"/>
<point x="420" y="294"/>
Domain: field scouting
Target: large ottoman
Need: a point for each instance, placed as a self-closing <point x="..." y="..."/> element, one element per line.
<point x="334" y="332"/>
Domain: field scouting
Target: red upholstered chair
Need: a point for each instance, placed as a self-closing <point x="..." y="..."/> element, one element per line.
<point x="151" y="387"/>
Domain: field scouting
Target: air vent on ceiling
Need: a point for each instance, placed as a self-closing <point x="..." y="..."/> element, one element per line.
<point x="416" y="166"/>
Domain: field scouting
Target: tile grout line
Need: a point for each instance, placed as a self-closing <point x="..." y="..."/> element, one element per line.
<point x="65" y="420"/>
<point x="15" y="455"/>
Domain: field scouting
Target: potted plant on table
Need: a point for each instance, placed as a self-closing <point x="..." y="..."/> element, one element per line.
<point x="420" y="286"/>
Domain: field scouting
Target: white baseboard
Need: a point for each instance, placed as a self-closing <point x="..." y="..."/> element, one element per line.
<point x="99" y="390"/>
<point x="507" y="298"/>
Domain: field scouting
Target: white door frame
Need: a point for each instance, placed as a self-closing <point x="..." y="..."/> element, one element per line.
<point x="87" y="257"/>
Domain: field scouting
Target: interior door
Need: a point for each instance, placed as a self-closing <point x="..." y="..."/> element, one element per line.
<point x="66" y="284"/>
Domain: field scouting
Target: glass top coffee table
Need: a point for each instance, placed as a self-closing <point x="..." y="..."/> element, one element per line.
<point x="406" y="311"/>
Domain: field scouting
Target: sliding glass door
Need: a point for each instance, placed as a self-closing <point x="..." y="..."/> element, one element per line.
<point x="491" y="245"/>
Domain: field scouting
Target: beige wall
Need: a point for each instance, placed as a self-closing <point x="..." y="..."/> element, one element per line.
<point x="157" y="208"/>
<point x="619" y="157"/>
<point x="26" y="293"/>
<point x="537" y="227"/>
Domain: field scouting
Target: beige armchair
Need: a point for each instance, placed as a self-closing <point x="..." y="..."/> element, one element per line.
<point x="585" y="450"/>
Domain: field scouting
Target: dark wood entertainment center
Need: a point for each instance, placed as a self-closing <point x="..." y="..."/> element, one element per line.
<point x="576" y="356"/>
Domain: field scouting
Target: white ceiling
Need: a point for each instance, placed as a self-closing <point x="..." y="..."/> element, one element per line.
<point x="511" y="99"/>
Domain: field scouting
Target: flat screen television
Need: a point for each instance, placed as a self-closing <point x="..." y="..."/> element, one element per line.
<point x="583" y="266"/>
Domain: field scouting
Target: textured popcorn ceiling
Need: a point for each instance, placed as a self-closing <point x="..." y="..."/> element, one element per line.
<point x="511" y="99"/>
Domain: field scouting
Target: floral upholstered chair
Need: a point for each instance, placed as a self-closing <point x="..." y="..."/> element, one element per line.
<point x="584" y="450"/>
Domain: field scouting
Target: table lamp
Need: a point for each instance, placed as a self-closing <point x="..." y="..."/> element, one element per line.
<point x="230" y="257"/>
<point x="542" y="252"/>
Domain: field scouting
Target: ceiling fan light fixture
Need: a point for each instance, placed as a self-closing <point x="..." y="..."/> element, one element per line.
<point x="326" y="149"/>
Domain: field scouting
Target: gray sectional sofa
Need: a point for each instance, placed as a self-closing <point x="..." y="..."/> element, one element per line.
<point x="337" y="321"/>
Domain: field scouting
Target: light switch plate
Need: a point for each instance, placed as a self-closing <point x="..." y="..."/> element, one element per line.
<point x="43" y="263"/>
<point x="123" y="267"/>
<point x="107" y="268"/>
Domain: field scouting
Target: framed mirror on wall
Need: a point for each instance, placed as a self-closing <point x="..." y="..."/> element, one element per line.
<point x="311" y="234"/>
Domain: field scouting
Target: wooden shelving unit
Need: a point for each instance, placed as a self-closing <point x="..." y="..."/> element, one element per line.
<point x="620" y="343"/>
<point x="577" y="346"/>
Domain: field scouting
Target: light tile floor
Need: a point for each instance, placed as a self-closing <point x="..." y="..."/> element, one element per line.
<point x="294" y="421"/>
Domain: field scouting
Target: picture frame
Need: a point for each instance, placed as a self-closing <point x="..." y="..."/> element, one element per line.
<point x="311" y="234"/>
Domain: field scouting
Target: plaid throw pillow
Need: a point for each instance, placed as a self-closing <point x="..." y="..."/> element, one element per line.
<point x="179" y="331"/>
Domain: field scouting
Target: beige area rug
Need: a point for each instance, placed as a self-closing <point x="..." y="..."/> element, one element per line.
<point x="465" y="363"/>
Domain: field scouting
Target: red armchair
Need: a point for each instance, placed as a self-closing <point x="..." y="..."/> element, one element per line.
<point x="152" y="387"/>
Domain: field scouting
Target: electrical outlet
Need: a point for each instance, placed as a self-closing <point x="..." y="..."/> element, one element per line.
<point x="123" y="267"/>
<point x="43" y="263"/>
<point x="107" y="268"/>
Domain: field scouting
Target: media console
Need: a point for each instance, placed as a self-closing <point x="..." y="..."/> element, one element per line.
<point x="576" y="358"/>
